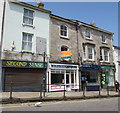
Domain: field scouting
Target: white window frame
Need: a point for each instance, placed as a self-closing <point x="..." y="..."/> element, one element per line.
<point x="28" y="17"/>
<point x="86" y="34"/>
<point x="103" y="36"/>
<point x="84" y="52"/>
<point x="63" y="36"/>
<point x="92" y="52"/>
<point x="107" y="55"/>
<point x="27" y="42"/>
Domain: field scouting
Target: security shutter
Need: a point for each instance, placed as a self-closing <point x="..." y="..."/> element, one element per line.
<point x="23" y="79"/>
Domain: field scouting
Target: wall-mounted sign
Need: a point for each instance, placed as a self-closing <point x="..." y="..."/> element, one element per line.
<point x="23" y="64"/>
<point x="89" y="67"/>
<point x="66" y="55"/>
<point x="55" y="66"/>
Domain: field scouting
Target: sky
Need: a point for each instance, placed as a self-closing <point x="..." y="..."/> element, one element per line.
<point x="104" y="14"/>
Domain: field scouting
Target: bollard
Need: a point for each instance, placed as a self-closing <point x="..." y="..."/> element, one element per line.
<point x="41" y="91"/>
<point x="119" y="93"/>
<point x="79" y="87"/>
<point x="64" y="93"/>
<point x="99" y="92"/>
<point x="107" y="90"/>
<point x="11" y="90"/>
<point x="44" y="91"/>
<point x="84" y="91"/>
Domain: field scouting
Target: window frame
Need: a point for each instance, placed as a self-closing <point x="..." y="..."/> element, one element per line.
<point x="106" y="55"/>
<point x="63" y="36"/>
<point x="93" y="57"/>
<point x="27" y="42"/>
<point x="84" y="52"/>
<point x="28" y="17"/>
<point x="86" y="34"/>
<point x="104" y="38"/>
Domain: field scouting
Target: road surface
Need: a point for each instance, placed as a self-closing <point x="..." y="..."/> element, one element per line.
<point x="109" y="104"/>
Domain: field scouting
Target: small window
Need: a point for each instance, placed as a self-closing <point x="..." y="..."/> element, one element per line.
<point x="63" y="30"/>
<point x="28" y="16"/>
<point x="27" y="42"/>
<point x="90" y="53"/>
<point x="103" y="38"/>
<point x="64" y="48"/>
<point x="106" y="55"/>
<point x="88" y="34"/>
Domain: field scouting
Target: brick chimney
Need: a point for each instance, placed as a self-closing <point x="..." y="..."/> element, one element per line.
<point x="40" y="5"/>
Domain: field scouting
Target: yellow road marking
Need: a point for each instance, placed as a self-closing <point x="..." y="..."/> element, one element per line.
<point x="10" y="106"/>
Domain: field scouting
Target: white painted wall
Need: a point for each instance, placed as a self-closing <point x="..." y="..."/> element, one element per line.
<point x="14" y="28"/>
<point x="116" y="54"/>
<point x="1" y="15"/>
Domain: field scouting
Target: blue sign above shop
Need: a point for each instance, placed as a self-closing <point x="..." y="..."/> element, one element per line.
<point x="89" y="67"/>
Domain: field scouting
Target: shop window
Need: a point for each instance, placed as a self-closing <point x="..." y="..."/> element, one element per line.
<point x="64" y="31"/>
<point x="27" y="42"/>
<point x="28" y="17"/>
<point x="57" y="78"/>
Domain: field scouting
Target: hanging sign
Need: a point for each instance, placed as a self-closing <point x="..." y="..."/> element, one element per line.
<point x="66" y="55"/>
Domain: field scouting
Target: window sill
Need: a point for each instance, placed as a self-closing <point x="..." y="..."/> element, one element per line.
<point x="104" y="43"/>
<point x="29" y="25"/>
<point x="89" y="39"/>
<point x="64" y="37"/>
<point x="25" y="51"/>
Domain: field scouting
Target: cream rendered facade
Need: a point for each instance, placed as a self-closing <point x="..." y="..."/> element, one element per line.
<point x="25" y="40"/>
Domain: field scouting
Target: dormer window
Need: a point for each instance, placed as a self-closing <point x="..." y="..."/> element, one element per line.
<point x="64" y="31"/>
<point x="88" y="34"/>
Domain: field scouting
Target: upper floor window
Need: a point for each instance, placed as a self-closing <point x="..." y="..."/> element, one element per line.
<point x="103" y="38"/>
<point x="28" y="16"/>
<point x="63" y="31"/>
<point x="27" y="42"/>
<point x="106" y="55"/>
<point x="84" y="52"/>
<point x="90" y="53"/>
<point x="88" y="34"/>
<point x="64" y="48"/>
<point x="101" y="54"/>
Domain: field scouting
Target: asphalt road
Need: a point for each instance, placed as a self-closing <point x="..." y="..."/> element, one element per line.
<point x="109" y="104"/>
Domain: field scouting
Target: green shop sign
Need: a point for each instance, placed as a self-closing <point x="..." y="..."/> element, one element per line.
<point x="107" y="67"/>
<point x="23" y="64"/>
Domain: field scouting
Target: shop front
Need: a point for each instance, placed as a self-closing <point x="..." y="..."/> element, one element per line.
<point x="63" y="76"/>
<point x="90" y="76"/>
<point x="23" y="75"/>
<point x="107" y="76"/>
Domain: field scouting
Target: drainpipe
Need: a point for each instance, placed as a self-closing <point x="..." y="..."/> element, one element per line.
<point x="1" y="43"/>
<point x="78" y="52"/>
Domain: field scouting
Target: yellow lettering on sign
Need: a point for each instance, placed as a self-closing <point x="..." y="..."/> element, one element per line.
<point x="16" y="64"/>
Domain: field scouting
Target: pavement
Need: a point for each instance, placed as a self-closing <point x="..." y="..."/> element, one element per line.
<point x="16" y="97"/>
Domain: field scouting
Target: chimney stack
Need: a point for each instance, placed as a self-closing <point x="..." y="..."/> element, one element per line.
<point x="93" y="24"/>
<point x="40" y="5"/>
